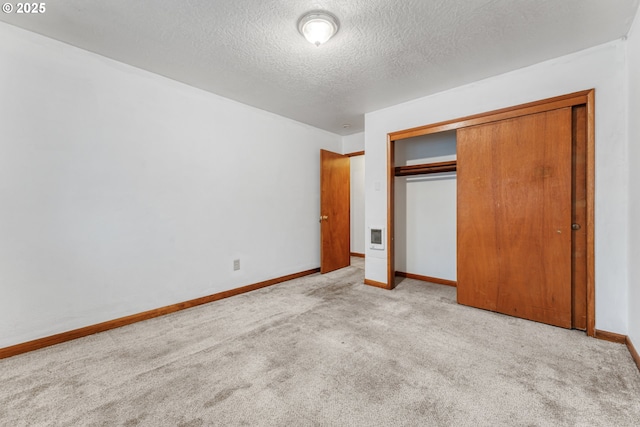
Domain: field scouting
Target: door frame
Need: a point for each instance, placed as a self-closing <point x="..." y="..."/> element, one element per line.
<point x="586" y="97"/>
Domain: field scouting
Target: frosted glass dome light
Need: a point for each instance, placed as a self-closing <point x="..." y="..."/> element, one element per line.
<point x="318" y="27"/>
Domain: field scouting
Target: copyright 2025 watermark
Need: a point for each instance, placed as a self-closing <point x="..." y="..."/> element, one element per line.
<point x="30" y="8"/>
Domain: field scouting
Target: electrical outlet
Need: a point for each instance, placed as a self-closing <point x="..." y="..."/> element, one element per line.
<point x="236" y="264"/>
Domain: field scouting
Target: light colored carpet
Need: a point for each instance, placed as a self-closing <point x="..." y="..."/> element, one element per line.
<point x="327" y="350"/>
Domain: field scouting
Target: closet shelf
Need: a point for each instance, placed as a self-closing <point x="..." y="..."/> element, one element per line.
<point x="426" y="168"/>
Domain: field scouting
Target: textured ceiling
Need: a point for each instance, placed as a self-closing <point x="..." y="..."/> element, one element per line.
<point x="385" y="52"/>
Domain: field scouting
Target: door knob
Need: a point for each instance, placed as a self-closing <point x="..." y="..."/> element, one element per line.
<point x="323" y="217"/>
<point x="575" y="226"/>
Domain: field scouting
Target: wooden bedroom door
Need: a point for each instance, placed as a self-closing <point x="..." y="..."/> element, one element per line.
<point x="335" y="196"/>
<point x="515" y="215"/>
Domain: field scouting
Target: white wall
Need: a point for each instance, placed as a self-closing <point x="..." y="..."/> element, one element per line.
<point x="633" y="51"/>
<point x="425" y="209"/>
<point x="353" y="143"/>
<point x="123" y="191"/>
<point x="602" y="68"/>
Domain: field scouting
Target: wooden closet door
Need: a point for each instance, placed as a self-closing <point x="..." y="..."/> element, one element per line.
<point x="514" y="216"/>
<point x="335" y="217"/>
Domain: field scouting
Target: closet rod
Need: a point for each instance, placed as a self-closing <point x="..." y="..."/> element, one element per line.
<point x="426" y="168"/>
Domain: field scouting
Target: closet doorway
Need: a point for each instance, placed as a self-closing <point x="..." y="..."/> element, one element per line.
<point x="425" y="208"/>
<point x="525" y="208"/>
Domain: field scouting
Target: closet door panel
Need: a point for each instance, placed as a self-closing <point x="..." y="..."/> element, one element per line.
<point x="514" y="216"/>
<point x="478" y="249"/>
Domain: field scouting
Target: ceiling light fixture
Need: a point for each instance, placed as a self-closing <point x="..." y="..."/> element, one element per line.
<point x="318" y="26"/>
